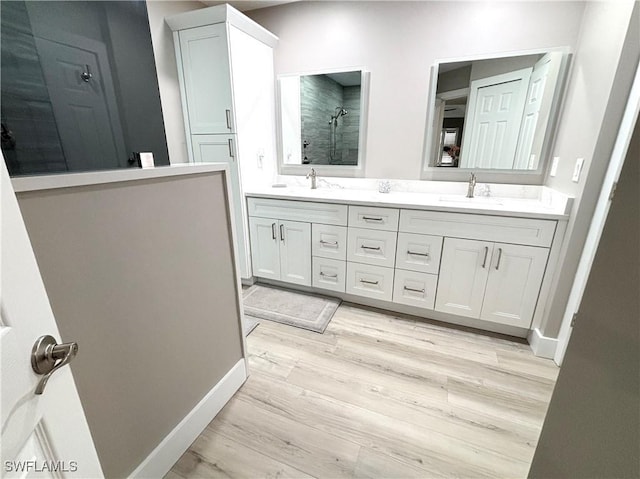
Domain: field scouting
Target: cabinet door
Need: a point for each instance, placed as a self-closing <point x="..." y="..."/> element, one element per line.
<point x="207" y="78"/>
<point x="514" y="282"/>
<point x="463" y="276"/>
<point x="265" y="247"/>
<point x="295" y="252"/>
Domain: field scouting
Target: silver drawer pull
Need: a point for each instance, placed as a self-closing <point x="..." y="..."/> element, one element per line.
<point x="499" y="257"/>
<point x="374" y="248"/>
<point x="371" y="218"/>
<point x="417" y="254"/>
<point x="414" y="290"/>
<point x="486" y="252"/>
<point x="322" y="273"/>
<point x="329" y="243"/>
<point x="368" y="282"/>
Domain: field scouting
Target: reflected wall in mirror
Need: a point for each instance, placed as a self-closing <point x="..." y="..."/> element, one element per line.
<point x="321" y="120"/>
<point x="79" y="86"/>
<point x="495" y="113"/>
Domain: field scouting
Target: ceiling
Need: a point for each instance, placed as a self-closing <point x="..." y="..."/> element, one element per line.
<point x="246" y="5"/>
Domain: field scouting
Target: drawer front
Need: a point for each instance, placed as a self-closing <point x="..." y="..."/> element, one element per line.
<point x="329" y="274"/>
<point x="329" y="241"/>
<point x="374" y="218"/>
<point x="370" y="281"/>
<point x="371" y="247"/>
<point x="501" y="229"/>
<point x="307" y="211"/>
<point x="419" y="252"/>
<point x="415" y="289"/>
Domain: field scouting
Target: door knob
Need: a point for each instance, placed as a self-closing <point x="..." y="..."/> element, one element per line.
<point x="47" y="356"/>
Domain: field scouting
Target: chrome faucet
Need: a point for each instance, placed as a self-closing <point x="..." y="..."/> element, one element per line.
<point x="472" y="185"/>
<point x="313" y="177"/>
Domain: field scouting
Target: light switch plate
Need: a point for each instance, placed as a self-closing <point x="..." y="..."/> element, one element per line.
<point x="577" y="169"/>
<point x="554" y="166"/>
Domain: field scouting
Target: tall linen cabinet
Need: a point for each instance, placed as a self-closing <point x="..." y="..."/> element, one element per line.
<point x="225" y="69"/>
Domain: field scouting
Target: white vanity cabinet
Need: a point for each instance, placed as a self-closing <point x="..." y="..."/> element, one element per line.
<point x="225" y="69"/>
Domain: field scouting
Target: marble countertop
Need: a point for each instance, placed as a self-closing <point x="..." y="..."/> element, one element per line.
<point x="546" y="207"/>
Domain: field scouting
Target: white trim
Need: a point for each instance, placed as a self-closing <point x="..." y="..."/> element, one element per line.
<point x="542" y="346"/>
<point x="165" y="455"/>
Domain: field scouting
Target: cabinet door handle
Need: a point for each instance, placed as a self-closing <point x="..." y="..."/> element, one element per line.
<point x="322" y="273"/>
<point x="368" y="282"/>
<point x="374" y="248"/>
<point x="414" y="290"/>
<point x="329" y="243"/>
<point x="228" y="113"/>
<point x="499" y="257"/>
<point x="370" y="218"/>
<point x="486" y="252"/>
<point x="273" y="230"/>
<point x="418" y="254"/>
<point x="282" y="233"/>
<point x="231" y="152"/>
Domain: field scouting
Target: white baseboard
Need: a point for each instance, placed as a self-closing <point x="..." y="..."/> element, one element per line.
<point x="542" y="346"/>
<point x="165" y="455"/>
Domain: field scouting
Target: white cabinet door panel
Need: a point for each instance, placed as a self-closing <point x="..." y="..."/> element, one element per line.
<point x="329" y="274"/>
<point x="415" y="289"/>
<point x="295" y="252"/>
<point x="463" y="275"/>
<point x="419" y="252"/>
<point x="207" y="79"/>
<point x="371" y="246"/>
<point x="370" y="281"/>
<point x="514" y="283"/>
<point x="265" y="248"/>
<point x="329" y="241"/>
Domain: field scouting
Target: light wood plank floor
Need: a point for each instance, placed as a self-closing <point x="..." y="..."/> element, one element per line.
<point x="377" y="396"/>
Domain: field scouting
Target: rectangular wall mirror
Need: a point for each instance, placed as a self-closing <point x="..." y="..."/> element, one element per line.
<point x="494" y="114"/>
<point x="322" y="122"/>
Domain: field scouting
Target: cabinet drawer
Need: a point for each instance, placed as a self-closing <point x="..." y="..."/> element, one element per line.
<point x="503" y="229"/>
<point x="415" y="289"/>
<point x="419" y="252"/>
<point x="371" y="247"/>
<point x="329" y="241"/>
<point x="329" y="274"/>
<point x="310" y="212"/>
<point x="374" y="218"/>
<point x="370" y="281"/>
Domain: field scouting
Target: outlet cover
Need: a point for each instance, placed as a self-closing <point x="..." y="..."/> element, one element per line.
<point x="554" y="166"/>
<point x="577" y="170"/>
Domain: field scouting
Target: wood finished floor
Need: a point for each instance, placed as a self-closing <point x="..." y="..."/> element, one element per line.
<point x="377" y="396"/>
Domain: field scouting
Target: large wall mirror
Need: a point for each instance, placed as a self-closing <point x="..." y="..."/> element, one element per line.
<point x="79" y="86"/>
<point x="494" y="114"/>
<point x="322" y="122"/>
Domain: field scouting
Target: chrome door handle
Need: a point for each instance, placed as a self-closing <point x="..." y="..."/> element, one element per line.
<point x="499" y="257"/>
<point x="374" y="248"/>
<point x="322" y="273"/>
<point x="414" y="290"/>
<point x="273" y="230"/>
<point x="369" y="218"/>
<point x="282" y="233"/>
<point x="417" y="254"/>
<point x="45" y="355"/>
<point x="486" y="252"/>
<point x="329" y="243"/>
<point x="231" y="151"/>
<point x="368" y="282"/>
<point x="228" y="113"/>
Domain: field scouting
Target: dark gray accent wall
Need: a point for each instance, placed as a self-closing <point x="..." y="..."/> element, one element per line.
<point x="592" y="428"/>
<point x="141" y="274"/>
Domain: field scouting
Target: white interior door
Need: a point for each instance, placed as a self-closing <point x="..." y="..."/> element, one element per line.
<point x="42" y="435"/>
<point x="495" y="113"/>
<point x="295" y="252"/>
<point x="90" y="131"/>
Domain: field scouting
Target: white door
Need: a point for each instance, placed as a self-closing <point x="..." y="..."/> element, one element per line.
<point x="85" y="111"/>
<point x="463" y="276"/>
<point x="222" y="149"/>
<point x="39" y="432"/>
<point x="295" y="252"/>
<point x="265" y="247"/>
<point x="514" y="282"/>
<point x="207" y="78"/>
<point x="495" y="113"/>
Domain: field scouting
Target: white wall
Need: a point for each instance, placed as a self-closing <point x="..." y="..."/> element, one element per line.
<point x="164" y="51"/>
<point x="398" y="42"/>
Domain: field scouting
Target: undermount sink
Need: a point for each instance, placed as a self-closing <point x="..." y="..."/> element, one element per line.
<point x="485" y="200"/>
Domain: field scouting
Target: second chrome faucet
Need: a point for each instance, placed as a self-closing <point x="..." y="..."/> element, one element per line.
<point x="313" y="177"/>
<point x="472" y="186"/>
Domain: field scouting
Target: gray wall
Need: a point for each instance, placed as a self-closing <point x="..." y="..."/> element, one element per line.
<point x="592" y="426"/>
<point x="141" y="275"/>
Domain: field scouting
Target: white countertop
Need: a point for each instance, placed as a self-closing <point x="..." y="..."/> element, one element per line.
<point x="547" y="208"/>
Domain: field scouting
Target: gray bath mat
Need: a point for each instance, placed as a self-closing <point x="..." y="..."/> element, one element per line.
<point x="301" y="310"/>
<point x="249" y="323"/>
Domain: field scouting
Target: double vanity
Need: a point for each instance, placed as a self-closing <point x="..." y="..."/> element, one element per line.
<point x="484" y="262"/>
